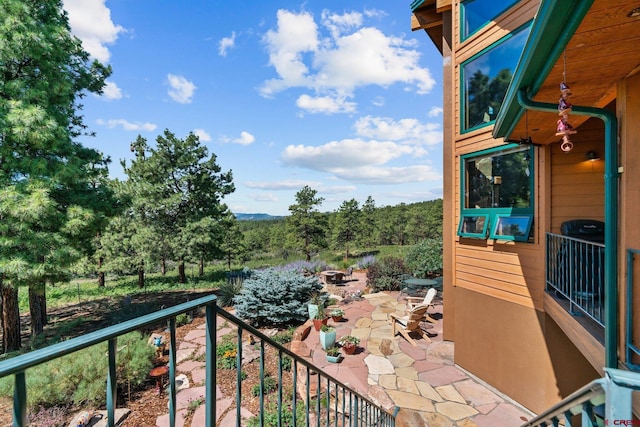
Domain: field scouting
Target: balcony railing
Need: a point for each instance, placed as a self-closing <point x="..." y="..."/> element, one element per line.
<point x="324" y="399"/>
<point x="603" y="402"/>
<point x="575" y="271"/>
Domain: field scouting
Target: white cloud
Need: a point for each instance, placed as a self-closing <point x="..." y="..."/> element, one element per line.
<point x="347" y="153"/>
<point x="90" y="21"/>
<point x="127" y="125"/>
<point x="181" y="90"/>
<point x="435" y="111"/>
<point x="202" y="134"/>
<point x="226" y="43"/>
<point x="405" y="131"/>
<point x="325" y="104"/>
<point x="264" y="197"/>
<point x="111" y="91"/>
<point x="390" y="175"/>
<point x="335" y="62"/>
<point x="281" y="185"/>
<point x="245" y="138"/>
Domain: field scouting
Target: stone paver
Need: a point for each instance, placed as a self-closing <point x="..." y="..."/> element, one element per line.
<point x="423" y="380"/>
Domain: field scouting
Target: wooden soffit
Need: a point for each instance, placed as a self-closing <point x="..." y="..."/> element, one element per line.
<point x="427" y="16"/>
<point x="604" y="49"/>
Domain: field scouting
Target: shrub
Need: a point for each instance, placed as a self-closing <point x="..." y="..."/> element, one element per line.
<point x="226" y="352"/>
<point x="272" y="418"/>
<point x="284" y="337"/>
<point x="182" y="319"/>
<point x="273" y="297"/>
<point x="270" y="385"/>
<point x="424" y="259"/>
<point x="286" y="363"/>
<point x="79" y="377"/>
<point x="364" y="262"/>
<point x="304" y="266"/>
<point x="386" y="274"/>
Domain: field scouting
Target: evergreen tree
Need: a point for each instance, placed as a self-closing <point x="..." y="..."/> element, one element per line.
<point x="177" y="185"/>
<point x="45" y="72"/>
<point x="306" y="223"/>
<point x="347" y="225"/>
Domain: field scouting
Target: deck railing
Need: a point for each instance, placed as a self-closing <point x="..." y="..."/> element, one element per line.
<point x="603" y="402"/>
<point x="575" y="271"/>
<point x="320" y="398"/>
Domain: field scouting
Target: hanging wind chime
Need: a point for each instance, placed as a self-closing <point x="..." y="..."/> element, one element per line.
<point x="564" y="129"/>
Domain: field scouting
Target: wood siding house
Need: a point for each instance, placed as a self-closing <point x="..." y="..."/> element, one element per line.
<point x="538" y="303"/>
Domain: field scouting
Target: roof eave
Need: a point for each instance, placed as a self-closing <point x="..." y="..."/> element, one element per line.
<point x="552" y="29"/>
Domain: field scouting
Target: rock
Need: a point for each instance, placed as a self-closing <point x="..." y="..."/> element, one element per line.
<point x="385" y="347"/>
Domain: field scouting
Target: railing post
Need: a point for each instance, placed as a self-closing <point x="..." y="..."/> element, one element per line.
<point x="210" y="365"/>
<point x="617" y="404"/>
<point x="172" y="372"/>
<point x="20" y="400"/>
<point x="111" y="383"/>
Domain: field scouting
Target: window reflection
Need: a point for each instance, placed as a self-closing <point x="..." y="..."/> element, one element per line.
<point x="477" y="13"/>
<point x="499" y="180"/>
<point x="486" y="78"/>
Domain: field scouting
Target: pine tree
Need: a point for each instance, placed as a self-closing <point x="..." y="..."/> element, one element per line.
<point x="45" y="72"/>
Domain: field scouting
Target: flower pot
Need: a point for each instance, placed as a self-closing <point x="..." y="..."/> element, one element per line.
<point x="327" y="339"/>
<point x="336" y="319"/>
<point x="349" y="348"/>
<point x="333" y="359"/>
<point x="317" y="323"/>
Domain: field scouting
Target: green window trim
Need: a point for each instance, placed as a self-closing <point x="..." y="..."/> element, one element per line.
<point x="494" y="100"/>
<point x="465" y="34"/>
<point x="490" y="216"/>
<point x="473" y="226"/>
<point x="516" y="227"/>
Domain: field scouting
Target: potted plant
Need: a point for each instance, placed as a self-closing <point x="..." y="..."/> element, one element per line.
<point x="349" y="343"/>
<point x="327" y="336"/>
<point x="320" y="319"/>
<point x="315" y="303"/>
<point x="336" y="314"/>
<point x="333" y="354"/>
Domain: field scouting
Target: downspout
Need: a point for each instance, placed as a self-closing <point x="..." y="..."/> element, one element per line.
<point x="610" y="216"/>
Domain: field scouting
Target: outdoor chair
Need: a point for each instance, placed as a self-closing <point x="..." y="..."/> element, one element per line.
<point x="348" y="273"/>
<point x="409" y="323"/>
<point x="427" y="301"/>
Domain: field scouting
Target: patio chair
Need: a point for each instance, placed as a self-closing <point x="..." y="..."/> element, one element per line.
<point x="348" y="273"/>
<point x="427" y="301"/>
<point x="409" y="323"/>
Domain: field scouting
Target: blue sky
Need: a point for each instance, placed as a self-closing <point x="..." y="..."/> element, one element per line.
<point x="340" y="96"/>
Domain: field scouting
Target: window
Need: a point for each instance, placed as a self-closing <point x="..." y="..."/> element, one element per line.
<point x="497" y="193"/>
<point x="486" y="77"/>
<point x="475" y="14"/>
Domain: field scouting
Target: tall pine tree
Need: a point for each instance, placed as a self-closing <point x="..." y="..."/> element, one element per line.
<point x="51" y="202"/>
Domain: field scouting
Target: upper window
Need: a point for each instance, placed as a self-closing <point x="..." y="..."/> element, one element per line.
<point x="497" y="193"/>
<point x="486" y="77"/>
<point x="476" y="14"/>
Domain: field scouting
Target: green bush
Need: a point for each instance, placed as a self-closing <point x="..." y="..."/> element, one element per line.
<point x="425" y="258"/>
<point x="285" y="336"/>
<point x="226" y="352"/>
<point x="272" y="297"/>
<point x="271" y="416"/>
<point x="79" y="378"/>
<point x="386" y="274"/>
<point x="270" y="385"/>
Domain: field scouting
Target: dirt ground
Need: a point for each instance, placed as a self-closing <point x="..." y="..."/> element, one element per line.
<point x="144" y="403"/>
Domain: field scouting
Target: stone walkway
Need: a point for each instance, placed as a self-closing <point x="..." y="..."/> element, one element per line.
<point x="423" y="381"/>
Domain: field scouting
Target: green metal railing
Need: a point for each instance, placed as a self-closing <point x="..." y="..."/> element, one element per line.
<point x="324" y="400"/>
<point x="632" y="349"/>
<point x="611" y="393"/>
<point x="575" y="271"/>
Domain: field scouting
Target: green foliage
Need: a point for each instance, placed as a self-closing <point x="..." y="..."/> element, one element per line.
<point x="307" y="225"/>
<point x="286" y="363"/>
<point x="229" y="289"/>
<point x="284" y="337"/>
<point x="272" y="297"/>
<point x="270" y="385"/>
<point x="182" y="319"/>
<point x="193" y="405"/>
<point x="79" y="378"/>
<point x="226" y="352"/>
<point x="347" y="225"/>
<point x="425" y="258"/>
<point x="386" y="274"/>
<point x="271" y="416"/>
<point x="333" y="351"/>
